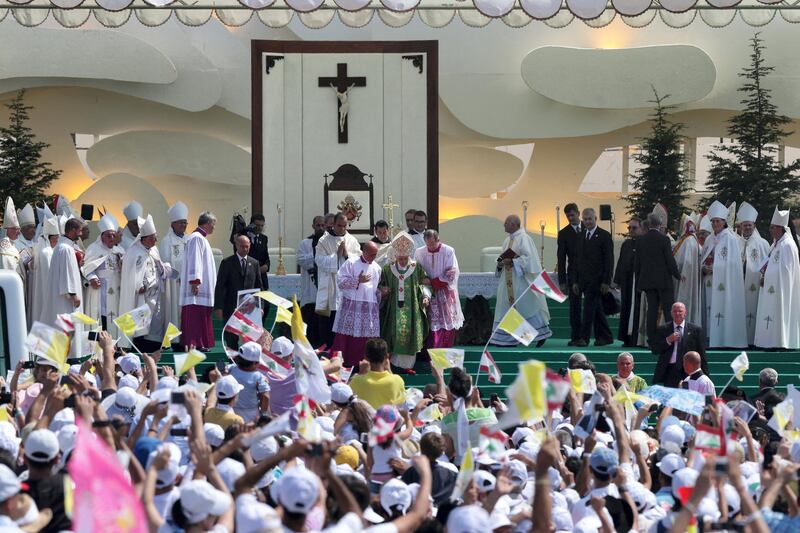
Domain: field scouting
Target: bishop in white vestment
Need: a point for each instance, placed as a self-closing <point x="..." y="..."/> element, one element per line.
<point x="722" y="265"/>
<point x="687" y="257"/>
<point x="9" y="253"/>
<point x="754" y="252"/>
<point x="172" y="249"/>
<point x="132" y="212"/>
<point x="444" y="313"/>
<point x="102" y="268"/>
<point x="64" y="287"/>
<point x="515" y="276"/>
<point x="199" y="275"/>
<point x="778" y="317"/>
<point x="40" y="268"/>
<point x="27" y="228"/>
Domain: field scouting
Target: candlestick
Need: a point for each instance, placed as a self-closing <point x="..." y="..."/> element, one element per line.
<point x="541" y="258"/>
<point x="525" y="215"/>
<point x="281" y="270"/>
<point x="558" y="217"/>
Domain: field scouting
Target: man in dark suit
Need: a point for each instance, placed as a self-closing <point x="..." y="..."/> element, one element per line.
<point x="671" y="342"/>
<point x="767" y="395"/>
<point x="623" y="278"/>
<point x="655" y="268"/>
<point x="259" y="246"/>
<point x="568" y="243"/>
<point x="237" y="272"/>
<point x="595" y="267"/>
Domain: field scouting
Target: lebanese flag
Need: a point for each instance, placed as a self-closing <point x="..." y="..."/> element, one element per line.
<point x="64" y="323"/>
<point x="710" y="439"/>
<point x="244" y="327"/>
<point x="274" y="365"/>
<point x="543" y="284"/>
<point x="557" y="389"/>
<point x="488" y="366"/>
<point x="492" y="443"/>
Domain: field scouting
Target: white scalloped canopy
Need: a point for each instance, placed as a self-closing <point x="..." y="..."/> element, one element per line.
<point x="619" y="78"/>
<point x="464" y="171"/>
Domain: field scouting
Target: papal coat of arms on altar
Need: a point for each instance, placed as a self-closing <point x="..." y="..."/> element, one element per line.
<point x="347" y="191"/>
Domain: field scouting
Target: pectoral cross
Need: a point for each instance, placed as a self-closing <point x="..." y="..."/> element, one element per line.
<point x="718" y="317"/>
<point x="768" y="320"/>
<point x="342" y="85"/>
<point x="391" y="206"/>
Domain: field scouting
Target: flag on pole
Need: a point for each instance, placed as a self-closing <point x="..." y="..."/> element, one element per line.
<point x="443" y="358"/>
<point x="306" y="426"/>
<point x="345" y="373"/>
<point x="186" y="361"/>
<point x="172" y="333"/>
<point x="493" y="443"/>
<point x="515" y="325"/>
<point x="122" y="510"/>
<point x="583" y="381"/>
<point x="489" y="367"/>
<point x="464" y="475"/>
<point x="781" y="415"/>
<point x="710" y="439"/>
<point x="526" y="395"/>
<point x="274" y="299"/>
<point x="556" y="389"/>
<point x="64" y="323"/>
<point x="239" y="324"/>
<point x="86" y="320"/>
<point x="282" y="424"/>
<point x="543" y="284"/>
<point x="624" y="397"/>
<point x="430" y="414"/>
<point x="309" y="376"/>
<point x="740" y="365"/>
<point x="273" y="364"/>
<point x="134" y="320"/>
<point x="50" y="343"/>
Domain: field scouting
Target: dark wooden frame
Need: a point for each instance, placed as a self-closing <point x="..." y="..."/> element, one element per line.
<point x="347" y="178"/>
<point x="431" y="70"/>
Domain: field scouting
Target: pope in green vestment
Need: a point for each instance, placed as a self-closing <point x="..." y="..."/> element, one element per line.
<point x="404" y="298"/>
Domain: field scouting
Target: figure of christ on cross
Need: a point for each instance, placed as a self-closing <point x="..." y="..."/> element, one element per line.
<point x="342" y="84"/>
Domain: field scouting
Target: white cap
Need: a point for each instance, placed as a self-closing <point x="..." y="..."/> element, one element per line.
<point x="66" y="438"/>
<point x="256" y="517"/>
<point x="26" y="216"/>
<point x="264" y="449"/>
<point x="517" y="472"/>
<point x="717" y="210"/>
<point x="230" y="470"/>
<point x="178" y="211"/>
<point x="50" y="227"/>
<point x="129" y="363"/>
<point x="250" y="351"/>
<point x="747" y="213"/>
<point x="200" y="500"/>
<point x="215" y="435"/>
<point x="9" y="483"/>
<point x="341" y="393"/>
<point x="562" y="519"/>
<point x="484" y="481"/>
<point x="673" y="434"/>
<point x="41" y="445"/>
<point x="146" y="226"/>
<point x="670" y="420"/>
<point x="128" y="381"/>
<point x="228" y="387"/>
<point x="521" y="433"/>
<point x="705" y="224"/>
<point x="62" y="418"/>
<point x="8" y="438"/>
<point x="10" y="215"/>
<point x="282" y="347"/>
<point x="395" y="496"/>
<point x="685" y="477"/>
<point x="107" y="223"/>
<point x="132" y="211"/>
<point x="166" y="476"/>
<point x="468" y="519"/>
<point x="167" y="382"/>
<point x="780" y="218"/>
<point x="298" y="490"/>
<point x="670" y="464"/>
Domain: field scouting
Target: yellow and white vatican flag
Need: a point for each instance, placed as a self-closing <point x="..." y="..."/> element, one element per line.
<point x="527" y="400"/>
<point x="186" y="361"/>
<point x="310" y="377"/>
<point x="740" y="365"/>
<point x="172" y="333"/>
<point x="274" y="299"/>
<point x="465" y="474"/>
<point x="86" y="320"/>
<point x="50" y="343"/>
<point x="781" y="415"/>
<point x="515" y="325"/>
<point x="443" y="358"/>
<point x="134" y="320"/>
<point x="583" y="381"/>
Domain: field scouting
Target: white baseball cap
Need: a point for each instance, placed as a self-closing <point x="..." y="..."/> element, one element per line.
<point x="517" y="472"/>
<point x="674" y="434"/>
<point x="281" y="347"/>
<point x="395" y="496"/>
<point x="685" y="477"/>
<point x="215" y="435"/>
<point x="66" y="437"/>
<point x="341" y="393"/>
<point x="200" y="500"/>
<point x="128" y="381"/>
<point x="298" y="490"/>
<point x="264" y="449"/>
<point x="228" y="387"/>
<point x="670" y="464"/>
<point x="250" y="351"/>
<point x="230" y="470"/>
<point x="41" y="445"/>
<point x="167" y="382"/>
<point x="484" y="481"/>
<point x="252" y="516"/>
<point x="9" y="483"/>
<point x="129" y="363"/>
<point x="469" y="519"/>
<point x="520" y="434"/>
<point x="168" y="475"/>
<point x="62" y="418"/>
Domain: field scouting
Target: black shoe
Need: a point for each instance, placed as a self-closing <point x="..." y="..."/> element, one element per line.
<point x="541" y="343"/>
<point x="580" y="343"/>
<point x="603" y="342"/>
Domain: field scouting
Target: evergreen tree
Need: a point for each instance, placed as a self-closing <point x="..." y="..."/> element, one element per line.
<point x="748" y="169"/>
<point x="23" y="174"/>
<point x="662" y="176"/>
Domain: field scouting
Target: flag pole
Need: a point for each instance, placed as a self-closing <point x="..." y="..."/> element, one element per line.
<point x="728" y="383"/>
<point x="131" y="343"/>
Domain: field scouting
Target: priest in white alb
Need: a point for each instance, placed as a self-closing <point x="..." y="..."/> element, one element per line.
<point x="778" y="317"/>
<point x="517" y="268"/>
<point x="65" y="287"/>
<point x="444" y="312"/>
<point x="334" y="248"/>
<point x="754" y="250"/>
<point x="722" y="264"/>
<point x="172" y="249"/>
<point x="199" y="275"/>
<point x="102" y="268"/>
<point x="132" y="212"/>
<point x="9" y="253"/>
<point x="143" y="282"/>
<point x="358" y="317"/>
<point x="687" y="257"/>
<point x="40" y="268"/>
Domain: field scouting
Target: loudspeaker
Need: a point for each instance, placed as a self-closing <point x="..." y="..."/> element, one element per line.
<point x="87" y="212"/>
<point x="605" y="211"/>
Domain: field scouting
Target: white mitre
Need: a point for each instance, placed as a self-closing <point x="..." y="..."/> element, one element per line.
<point x="26" y="216"/>
<point x="403" y="245"/>
<point x="717" y="210"/>
<point x="780" y="218"/>
<point x="747" y="213"/>
<point x="107" y="223"/>
<point x="132" y="211"/>
<point x="705" y="224"/>
<point x="146" y="226"/>
<point x="178" y="211"/>
<point x="10" y="216"/>
<point x="50" y="227"/>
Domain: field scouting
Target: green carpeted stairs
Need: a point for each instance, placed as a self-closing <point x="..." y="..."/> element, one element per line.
<point x="555" y="353"/>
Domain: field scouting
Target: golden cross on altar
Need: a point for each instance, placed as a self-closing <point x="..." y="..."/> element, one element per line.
<point x="391" y="206"/>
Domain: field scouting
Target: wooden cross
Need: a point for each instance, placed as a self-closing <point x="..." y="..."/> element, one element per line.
<point x="391" y="206"/>
<point x="768" y="320"/>
<point x="718" y="317"/>
<point x="342" y="84"/>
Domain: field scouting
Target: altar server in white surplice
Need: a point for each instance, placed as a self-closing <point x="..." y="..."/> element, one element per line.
<point x="754" y="250"/>
<point x="143" y="281"/>
<point x="40" y="271"/>
<point x="778" y="317"/>
<point x="172" y="249"/>
<point x="722" y="261"/>
<point x="65" y="287"/>
<point x="132" y="212"/>
<point x="102" y="268"/>
<point x="199" y="275"/>
<point x="687" y="257"/>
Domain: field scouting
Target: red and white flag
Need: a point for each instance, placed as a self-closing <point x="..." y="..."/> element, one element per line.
<point x="274" y="365"/>
<point x="64" y="323"/>
<point x="244" y="327"/>
<point x="543" y="284"/>
<point x="493" y="443"/>
<point x="710" y="439"/>
<point x="556" y="389"/>
<point x="488" y="366"/>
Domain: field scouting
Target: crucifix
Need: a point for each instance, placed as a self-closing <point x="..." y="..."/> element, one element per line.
<point x="342" y="84"/>
<point x="390" y="206"/>
<point x="768" y="320"/>
<point x="718" y="317"/>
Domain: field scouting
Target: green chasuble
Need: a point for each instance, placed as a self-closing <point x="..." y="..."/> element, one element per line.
<point x="404" y="325"/>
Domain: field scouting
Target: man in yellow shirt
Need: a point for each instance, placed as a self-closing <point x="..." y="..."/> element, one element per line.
<point x="227" y="390"/>
<point x="378" y="386"/>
